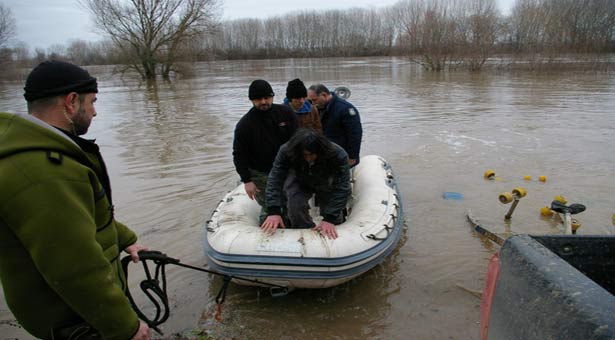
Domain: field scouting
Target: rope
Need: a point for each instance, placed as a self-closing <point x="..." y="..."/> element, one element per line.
<point x="220" y="298"/>
<point x="158" y="296"/>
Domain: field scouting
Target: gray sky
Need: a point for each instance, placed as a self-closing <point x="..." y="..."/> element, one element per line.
<point x="42" y="23"/>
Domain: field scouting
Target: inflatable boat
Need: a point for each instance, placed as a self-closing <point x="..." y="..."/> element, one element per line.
<point x="302" y="258"/>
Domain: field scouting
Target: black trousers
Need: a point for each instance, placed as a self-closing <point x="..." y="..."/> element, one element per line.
<point x="80" y="331"/>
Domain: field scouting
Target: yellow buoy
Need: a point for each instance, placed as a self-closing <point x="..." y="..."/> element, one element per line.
<point x="613" y="219"/>
<point x="505" y="197"/>
<point x="520" y="192"/>
<point x="546" y="211"/>
<point x="560" y="199"/>
<point x="527" y="177"/>
<point x="489" y="174"/>
<point x="542" y="178"/>
<point x="575" y="225"/>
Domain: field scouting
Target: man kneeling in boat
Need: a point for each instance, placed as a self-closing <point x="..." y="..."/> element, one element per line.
<point x="315" y="166"/>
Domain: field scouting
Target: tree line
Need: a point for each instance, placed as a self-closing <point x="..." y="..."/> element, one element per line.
<point x="159" y="37"/>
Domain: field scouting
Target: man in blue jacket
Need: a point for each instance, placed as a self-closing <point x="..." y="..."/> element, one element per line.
<point x="340" y="120"/>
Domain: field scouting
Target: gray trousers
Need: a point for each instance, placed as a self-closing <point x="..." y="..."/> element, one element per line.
<point x="260" y="180"/>
<point x="298" y="203"/>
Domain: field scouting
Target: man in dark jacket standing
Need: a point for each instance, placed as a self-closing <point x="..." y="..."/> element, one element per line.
<point x="258" y="136"/>
<point x="59" y="241"/>
<point x="340" y="120"/>
<point x="317" y="166"/>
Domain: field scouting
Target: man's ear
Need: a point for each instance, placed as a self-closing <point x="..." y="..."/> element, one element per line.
<point x="71" y="103"/>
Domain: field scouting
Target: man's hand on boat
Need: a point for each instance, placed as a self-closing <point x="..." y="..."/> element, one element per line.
<point x="327" y="229"/>
<point x="251" y="189"/>
<point x="271" y="224"/>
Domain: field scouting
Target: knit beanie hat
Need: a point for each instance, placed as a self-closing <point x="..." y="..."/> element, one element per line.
<point x="54" y="77"/>
<point x="296" y="89"/>
<point x="260" y="89"/>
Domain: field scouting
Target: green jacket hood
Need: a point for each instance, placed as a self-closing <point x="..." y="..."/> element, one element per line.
<point x="21" y="132"/>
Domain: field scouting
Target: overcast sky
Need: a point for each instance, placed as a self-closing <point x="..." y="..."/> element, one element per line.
<point x="42" y="23"/>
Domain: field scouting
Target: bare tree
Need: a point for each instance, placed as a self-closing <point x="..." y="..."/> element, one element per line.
<point x="527" y="22"/>
<point x="430" y="32"/>
<point x="7" y="25"/>
<point x="153" y="34"/>
<point x="352" y="32"/>
<point x="438" y="34"/>
<point x="555" y="26"/>
<point x="78" y="52"/>
<point x="39" y="55"/>
<point x="587" y="25"/>
<point x="57" y="52"/>
<point x="480" y="29"/>
<point x="21" y="54"/>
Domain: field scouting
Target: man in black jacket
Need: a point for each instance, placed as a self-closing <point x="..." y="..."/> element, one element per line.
<point x="316" y="166"/>
<point x="258" y="136"/>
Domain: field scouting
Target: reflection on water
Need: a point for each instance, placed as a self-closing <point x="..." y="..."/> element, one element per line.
<point x="168" y="149"/>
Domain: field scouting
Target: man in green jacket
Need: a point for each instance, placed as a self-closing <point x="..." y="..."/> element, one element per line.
<point x="59" y="241"/>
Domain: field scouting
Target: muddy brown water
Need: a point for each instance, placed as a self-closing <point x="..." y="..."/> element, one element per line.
<point x="168" y="149"/>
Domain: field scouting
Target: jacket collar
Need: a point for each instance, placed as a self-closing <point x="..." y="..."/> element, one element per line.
<point x="306" y="108"/>
<point x="44" y="125"/>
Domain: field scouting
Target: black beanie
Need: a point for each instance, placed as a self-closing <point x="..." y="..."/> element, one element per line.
<point x="296" y="89"/>
<point x="260" y="89"/>
<point x="54" y="77"/>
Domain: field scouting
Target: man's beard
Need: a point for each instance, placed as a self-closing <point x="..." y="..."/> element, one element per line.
<point x="263" y="107"/>
<point x="80" y="123"/>
<point x="296" y="107"/>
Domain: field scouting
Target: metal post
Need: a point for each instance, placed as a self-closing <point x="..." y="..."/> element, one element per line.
<point x="512" y="208"/>
<point x="568" y="223"/>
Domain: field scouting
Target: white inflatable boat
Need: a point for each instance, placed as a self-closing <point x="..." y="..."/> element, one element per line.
<point x="302" y="258"/>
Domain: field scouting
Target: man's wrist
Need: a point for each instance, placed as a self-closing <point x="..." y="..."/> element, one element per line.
<point x="329" y="219"/>
<point x="274" y="211"/>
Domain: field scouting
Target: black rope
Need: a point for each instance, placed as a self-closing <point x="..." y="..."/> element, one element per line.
<point x="222" y="293"/>
<point x="158" y="296"/>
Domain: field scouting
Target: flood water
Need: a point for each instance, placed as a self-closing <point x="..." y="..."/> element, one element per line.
<point x="168" y="150"/>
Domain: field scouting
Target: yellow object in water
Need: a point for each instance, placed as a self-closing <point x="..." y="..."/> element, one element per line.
<point x="519" y="192"/>
<point x="505" y="197"/>
<point x="560" y="199"/>
<point x="546" y="211"/>
<point x="613" y="219"/>
<point x="527" y="177"/>
<point x="542" y="178"/>
<point x="575" y="225"/>
<point x="489" y="174"/>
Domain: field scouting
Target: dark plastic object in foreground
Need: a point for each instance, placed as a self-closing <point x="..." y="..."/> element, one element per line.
<point x="573" y="209"/>
<point x="555" y="287"/>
